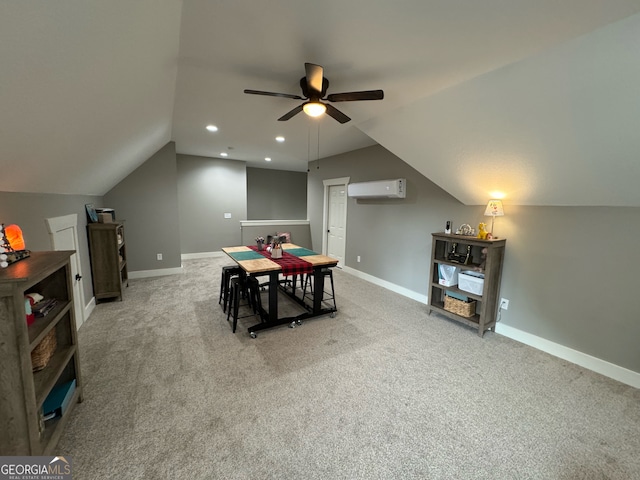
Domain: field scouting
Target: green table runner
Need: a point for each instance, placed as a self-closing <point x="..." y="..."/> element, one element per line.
<point x="247" y="255"/>
<point x="300" y="252"/>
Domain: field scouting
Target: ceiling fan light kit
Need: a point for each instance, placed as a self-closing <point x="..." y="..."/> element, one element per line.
<point x="314" y="88"/>
<point x="314" y="109"/>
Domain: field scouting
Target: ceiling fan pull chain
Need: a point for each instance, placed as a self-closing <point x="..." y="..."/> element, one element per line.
<point x="308" y="146"/>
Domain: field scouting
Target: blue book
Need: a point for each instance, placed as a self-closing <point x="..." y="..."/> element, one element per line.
<point x="58" y="399"/>
<point x="457" y="295"/>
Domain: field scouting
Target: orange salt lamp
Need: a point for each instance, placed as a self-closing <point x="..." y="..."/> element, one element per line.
<point x="13" y="234"/>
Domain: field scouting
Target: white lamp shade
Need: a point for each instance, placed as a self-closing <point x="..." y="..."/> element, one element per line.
<point x="313" y="109"/>
<point x="494" y="209"/>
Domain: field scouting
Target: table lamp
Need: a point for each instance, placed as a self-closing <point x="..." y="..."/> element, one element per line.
<point x="494" y="209"/>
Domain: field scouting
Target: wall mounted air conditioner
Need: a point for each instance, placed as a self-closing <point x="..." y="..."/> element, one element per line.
<point x="396" y="188"/>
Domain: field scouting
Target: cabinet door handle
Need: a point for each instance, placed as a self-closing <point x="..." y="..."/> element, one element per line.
<point x="78" y="276"/>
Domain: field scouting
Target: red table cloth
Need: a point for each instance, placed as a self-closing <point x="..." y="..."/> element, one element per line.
<point x="290" y="264"/>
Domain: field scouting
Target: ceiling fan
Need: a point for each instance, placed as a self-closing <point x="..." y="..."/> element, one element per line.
<point x="314" y="88"/>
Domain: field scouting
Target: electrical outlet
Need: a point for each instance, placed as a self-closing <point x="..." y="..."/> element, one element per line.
<point x="504" y="304"/>
<point x="159" y="256"/>
<point x="358" y="259"/>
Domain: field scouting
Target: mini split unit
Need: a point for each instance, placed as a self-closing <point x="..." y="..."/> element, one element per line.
<point x="396" y="188"/>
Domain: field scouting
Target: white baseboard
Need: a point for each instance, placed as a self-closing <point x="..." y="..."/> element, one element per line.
<point x="589" y="362"/>
<point x="388" y="285"/>
<point x="194" y="256"/>
<point x="88" y="309"/>
<point x="616" y="372"/>
<point x="160" y="272"/>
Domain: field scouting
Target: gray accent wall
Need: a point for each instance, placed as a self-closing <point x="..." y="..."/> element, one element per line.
<point x="147" y="203"/>
<point x="391" y="235"/>
<point x="207" y="189"/>
<point x="29" y="211"/>
<point x="569" y="273"/>
<point x="276" y="195"/>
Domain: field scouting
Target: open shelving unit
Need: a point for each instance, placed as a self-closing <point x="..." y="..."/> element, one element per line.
<point x="25" y="432"/>
<point x="488" y="302"/>
<point x="108" y="253"/>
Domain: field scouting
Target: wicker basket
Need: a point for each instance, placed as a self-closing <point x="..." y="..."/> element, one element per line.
<point x="459" y="307"/>
<point x="43" y="352"/>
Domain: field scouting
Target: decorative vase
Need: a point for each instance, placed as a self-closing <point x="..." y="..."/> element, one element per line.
<point x="260" y="246"/>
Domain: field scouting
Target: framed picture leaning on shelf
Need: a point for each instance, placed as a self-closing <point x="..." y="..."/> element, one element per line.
<point x="92" y="215"/>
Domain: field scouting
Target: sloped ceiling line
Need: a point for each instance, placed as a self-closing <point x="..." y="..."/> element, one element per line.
<point x="554" y="129"/>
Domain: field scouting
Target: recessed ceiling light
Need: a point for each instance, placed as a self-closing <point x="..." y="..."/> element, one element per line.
<point x="212" y="128"/>
<point x="280" y="139"/>
<point x="224" y="154"/>
<point x="267" y="159"/>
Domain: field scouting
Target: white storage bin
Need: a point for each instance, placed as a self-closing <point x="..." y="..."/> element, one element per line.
<point x="448" y="275"/>
<point x="472" y="282"/>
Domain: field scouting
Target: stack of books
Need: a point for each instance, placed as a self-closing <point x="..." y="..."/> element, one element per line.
<point x="43" y="307"/>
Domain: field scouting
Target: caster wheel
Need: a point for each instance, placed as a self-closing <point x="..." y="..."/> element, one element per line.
<point x="254" y="335"/>
<point x="292" y="325"/>
<point x="332" y="315"/>
<point x="299" y="322"/>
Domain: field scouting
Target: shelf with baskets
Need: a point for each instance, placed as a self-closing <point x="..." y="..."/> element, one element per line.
<point x="108" y="253"/>
<point x="38" y="359"/>
<point x="477" y="304"/>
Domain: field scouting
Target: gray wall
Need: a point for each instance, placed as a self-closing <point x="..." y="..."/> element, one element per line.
<point x="207" y="189"/>
<point x="570" y="275"/>
<point x="29" y="211"/>
<point x="147" y="202"/>
<point x="569" y="272"/>
<point x="392" y="236"/>
<point x="171" y="204"/>
<point x="276" y="195"/>
<point x="175" y="204"/>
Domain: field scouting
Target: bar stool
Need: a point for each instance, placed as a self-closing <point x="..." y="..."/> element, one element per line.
<point x="228" y="272"/>
<point x="249" y="287"/>
<point x="326" y="296"/>
<point x="289" y="282"/>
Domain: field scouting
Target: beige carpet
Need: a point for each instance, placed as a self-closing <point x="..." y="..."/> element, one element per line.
<point x="381" y="391"/>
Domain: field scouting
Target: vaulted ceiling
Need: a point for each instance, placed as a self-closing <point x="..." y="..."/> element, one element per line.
<point x="537" y="99"/>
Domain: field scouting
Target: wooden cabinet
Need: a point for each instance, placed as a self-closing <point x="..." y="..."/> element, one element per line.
<point x="487" y="303"/>
<point x="22" y="391"/>
<point x="107" y="248"/>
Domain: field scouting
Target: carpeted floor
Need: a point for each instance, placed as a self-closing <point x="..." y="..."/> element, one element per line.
<point x="381" y="391"/>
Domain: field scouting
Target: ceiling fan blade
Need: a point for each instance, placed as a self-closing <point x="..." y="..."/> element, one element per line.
<point x="314" y="76"/>
<point x="337" y="114"/>
<point x="272" y="94"/>
<point x="290" y="114"/>
<point x="353" y="96"/>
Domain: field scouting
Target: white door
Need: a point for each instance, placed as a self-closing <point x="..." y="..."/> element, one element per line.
<point x="336" y="222"/>
<point x="64" y="236"/>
